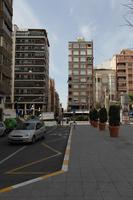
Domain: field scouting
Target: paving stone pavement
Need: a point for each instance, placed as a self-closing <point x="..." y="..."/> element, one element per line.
<point x="100" y="168"/>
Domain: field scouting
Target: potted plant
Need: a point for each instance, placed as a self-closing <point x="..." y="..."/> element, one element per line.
<point x="95" y="117"/>
<point x="102" y="118"/>
<point x="114" y="120"/>
<point x="91" y="116"/>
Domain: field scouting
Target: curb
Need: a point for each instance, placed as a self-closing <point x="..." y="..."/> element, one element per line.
<point x="67" y="153"/>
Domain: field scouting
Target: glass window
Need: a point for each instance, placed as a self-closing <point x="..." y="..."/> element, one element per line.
<point x="83" y="86"/>
<point x="82" y="93"/>
<point x="89" y="71"/>
<point x="83" y="100"/>
<point x="75" y="86"/>
<point x="70" y="45"/>
<point x="83" y="80"/>
<point x="83" y="72"/>
<point x="83" y="52"/>
<point x="75" y="93"/>
<point x="75" y="65"/>
<point x="83" y="66"/>
<point x="75" y="59"/>
<point x="89" y="51"/>
<point x="75" y="45"/>
<point x="76" y="52"/>
<point x="75" y="72"/>
<point x="82" y="45"/>
<point x="82" y="59"/>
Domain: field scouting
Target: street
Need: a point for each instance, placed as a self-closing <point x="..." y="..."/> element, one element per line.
<point x="20" y="163"/>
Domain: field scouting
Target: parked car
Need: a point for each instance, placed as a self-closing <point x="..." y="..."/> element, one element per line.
<point x="28" y="132"/>
<point x="2" y="129"/>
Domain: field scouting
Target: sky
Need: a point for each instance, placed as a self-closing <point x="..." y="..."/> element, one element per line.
<point x="64" y="20"/>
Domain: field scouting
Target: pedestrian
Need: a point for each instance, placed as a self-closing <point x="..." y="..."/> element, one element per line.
<point x="74" y="124"/>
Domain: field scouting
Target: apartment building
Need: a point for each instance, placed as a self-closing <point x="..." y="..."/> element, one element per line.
<point x="80" y="76"/>
<point x="6" y="12"/>
<point x="51" y="98"/>
<point x="105" y="85"/>
<point x="31" y="69"/>
<point x="124" y="72"/>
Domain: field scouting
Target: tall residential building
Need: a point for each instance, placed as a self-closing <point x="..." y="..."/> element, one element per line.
<point x="105" y="85"/>
<point x="124" y="72"/>
<point x="6" y="12"/>
<point x="80" y="78"/>
<point x="31" y="65"/>
<point x="51" y="98"/>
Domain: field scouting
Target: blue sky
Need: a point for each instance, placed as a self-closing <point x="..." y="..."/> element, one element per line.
<point x="101" y="21"/>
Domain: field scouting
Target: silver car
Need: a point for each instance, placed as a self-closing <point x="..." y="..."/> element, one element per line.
<point x="2" y="129"/>
<point x="28" y="132"/>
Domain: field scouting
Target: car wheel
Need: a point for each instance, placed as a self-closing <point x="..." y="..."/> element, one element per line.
<point x="33" y="139"/>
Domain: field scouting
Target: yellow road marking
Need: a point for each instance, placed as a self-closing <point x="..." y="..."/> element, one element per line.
<point x="7" y="189"/>
<point x="35" y="162"/>
<point x="51" y="148"/>
<point x="53" y="174"/>
<point x="65" y="162"/>
<point x="32" y="163"/>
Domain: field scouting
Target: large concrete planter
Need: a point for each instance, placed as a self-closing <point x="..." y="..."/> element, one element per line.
<point x="95" y="124"/>
<point x="102" y="126"/>
<point x="114" y="131"/>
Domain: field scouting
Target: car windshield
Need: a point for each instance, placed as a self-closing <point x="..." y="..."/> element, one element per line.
<point x="26" y="126"/>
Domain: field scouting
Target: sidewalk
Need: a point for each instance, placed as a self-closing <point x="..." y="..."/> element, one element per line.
<point x="100" y="168"/>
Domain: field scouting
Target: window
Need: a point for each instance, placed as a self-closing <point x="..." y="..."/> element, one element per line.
<point x="83" y="86"/>
<point x="83" y="100"/>
<point x="83" y="72"/>
<point x="75" y="52"/>
<point x="89" y="71"/>
<point x="75" y="45"/>
<point x="83" y="66"/>
<point x="82" y="45"/>
<point x="75" y="86"/>
<point x="75" y="72"/>
<point x="75" y="59"/>
<point x="75" y="65"/>
<point x="89" y="51"/>
<point x="83" y="80"/>
<point x="82" y="93"/>
<point x="82" y="59"/>
<point x="82" y="52"/>
<point x="75" y="93"/>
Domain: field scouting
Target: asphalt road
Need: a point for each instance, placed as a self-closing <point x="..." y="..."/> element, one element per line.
<point x="19" y="163"/>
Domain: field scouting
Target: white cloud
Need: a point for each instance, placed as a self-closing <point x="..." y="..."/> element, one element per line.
<point x="88" y="31"/>
<point x="24" y="16"/>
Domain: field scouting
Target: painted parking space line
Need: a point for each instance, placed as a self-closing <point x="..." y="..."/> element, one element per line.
<point x="14" y="171"/>
<point x="9" y="189"/>
<point x="43" y="177"/>
<point x="51" y="148"/>
<point x="13" y="154"/>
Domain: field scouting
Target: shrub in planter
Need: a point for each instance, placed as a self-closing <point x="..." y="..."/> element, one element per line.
<point x="114" y="120"/>
<point x="102" y="118"/>
<point x="95" y="117"/>
<point x="91" y="116"/>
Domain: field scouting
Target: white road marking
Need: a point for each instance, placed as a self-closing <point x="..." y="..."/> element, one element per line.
<point x="13" y="154"/>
